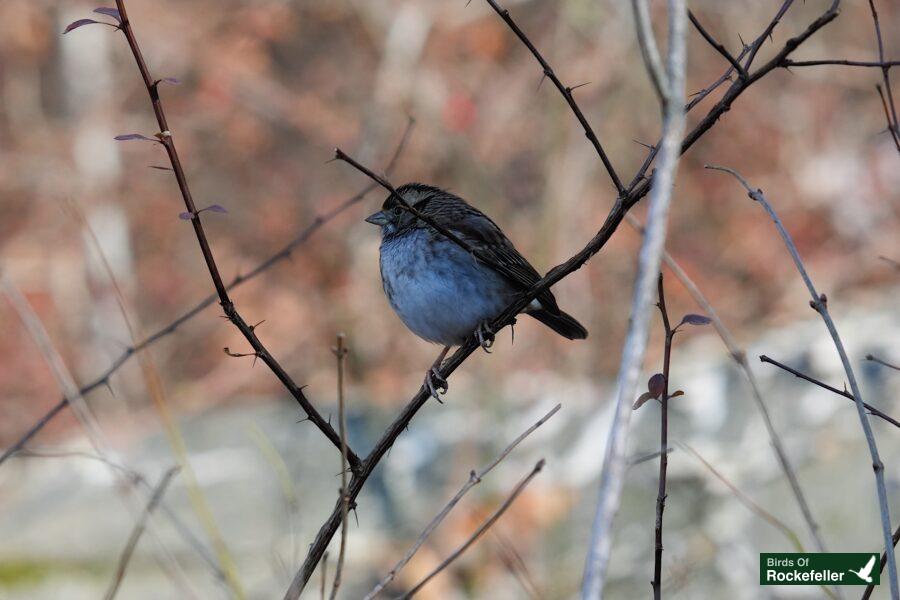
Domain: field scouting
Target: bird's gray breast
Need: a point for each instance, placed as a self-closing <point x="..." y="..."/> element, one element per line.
<point x="439" y="291"/>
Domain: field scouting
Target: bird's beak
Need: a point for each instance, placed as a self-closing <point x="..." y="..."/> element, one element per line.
<point x="378" y="218"/>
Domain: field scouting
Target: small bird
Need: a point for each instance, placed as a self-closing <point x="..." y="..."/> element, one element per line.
<point x="442" y="292"/>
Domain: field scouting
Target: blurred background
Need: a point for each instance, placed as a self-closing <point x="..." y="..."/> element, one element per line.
<point x="267" y="89"/>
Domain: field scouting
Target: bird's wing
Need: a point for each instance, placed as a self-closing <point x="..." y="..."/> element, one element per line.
<point x="481" y="233"/>
<point x="868" y="568"/>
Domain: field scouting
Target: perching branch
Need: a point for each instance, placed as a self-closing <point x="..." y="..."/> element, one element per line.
<point x="474" y="479"/>
<point x="820" y="304"/>
<point x="639" y="188"/>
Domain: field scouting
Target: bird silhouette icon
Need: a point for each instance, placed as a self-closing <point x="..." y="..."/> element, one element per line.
<point x="866" y="572"/>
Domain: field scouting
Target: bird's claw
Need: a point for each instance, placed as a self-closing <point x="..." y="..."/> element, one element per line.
<point x="435" y="384"/>
<point x="485" y="336"/>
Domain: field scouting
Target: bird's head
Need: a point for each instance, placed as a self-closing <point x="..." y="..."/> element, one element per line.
<point x="393" y="216"/>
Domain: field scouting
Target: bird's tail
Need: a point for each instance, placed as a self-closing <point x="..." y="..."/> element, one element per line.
<point x="562" y="323"/>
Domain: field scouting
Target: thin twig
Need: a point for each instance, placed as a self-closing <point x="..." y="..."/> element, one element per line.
<point x="717" y="46"/>
<point x="474" y="479"/>
<point x="663" y="444"/>
<point x="341" y="353"/>
<point x="758" y="42"/>
<point x="739" y="355"/>
<point x="649" y="50"/>
<point x="888" y="96"/>
<point x="840" y="62"/>
<point x="819" y="304"/>
<point x="520" y="487"/>
<point x="138" y="530"/>
<point x="615" y="460"/>
<point x="284" y="253"/>
<point x="875" y="359"/>
<point x="844" y="393"/>
<point x="566" y="92"/>
<point x="749" y="503"/>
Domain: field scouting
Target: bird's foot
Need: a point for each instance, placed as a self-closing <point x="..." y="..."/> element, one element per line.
<point x="485" y="336"/>
<point x="435" y="384"/>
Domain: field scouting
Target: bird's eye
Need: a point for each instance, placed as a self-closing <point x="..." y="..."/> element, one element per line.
<point x="397" y="210"/>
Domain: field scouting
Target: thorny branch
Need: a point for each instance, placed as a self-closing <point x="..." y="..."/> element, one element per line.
<point x="167" y="140"/>
<point x="284" y="253"/>
<point x="844" y="393"/>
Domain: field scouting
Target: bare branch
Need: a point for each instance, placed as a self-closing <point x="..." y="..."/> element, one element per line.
<point x="820" y="305"/>
<point x="882" y="362"/>
<point x="821" y="384"/>
<point x="649" y="51"/>
<point x="717" y="46"/>
<point x="228" y="306"/>
<point x="839" y="62"/>
<point x="480" y="531"/>
<point x="887" y="96"/>
<point x="474" y="479"/>
<point x="565" y="91"/>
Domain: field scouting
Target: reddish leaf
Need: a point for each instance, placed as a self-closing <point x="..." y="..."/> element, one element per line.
<point x="215" y="208"/>
<point x="656" y="385"/>
<point x="677" y="393"/>
<point x="109" y="12"/>
<point x="186" y="216"/>
<point x="695" y="320"/>
<point x="641" y="400"/>
<point x="132" y="136"/>
<point x="80" y="23"/>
